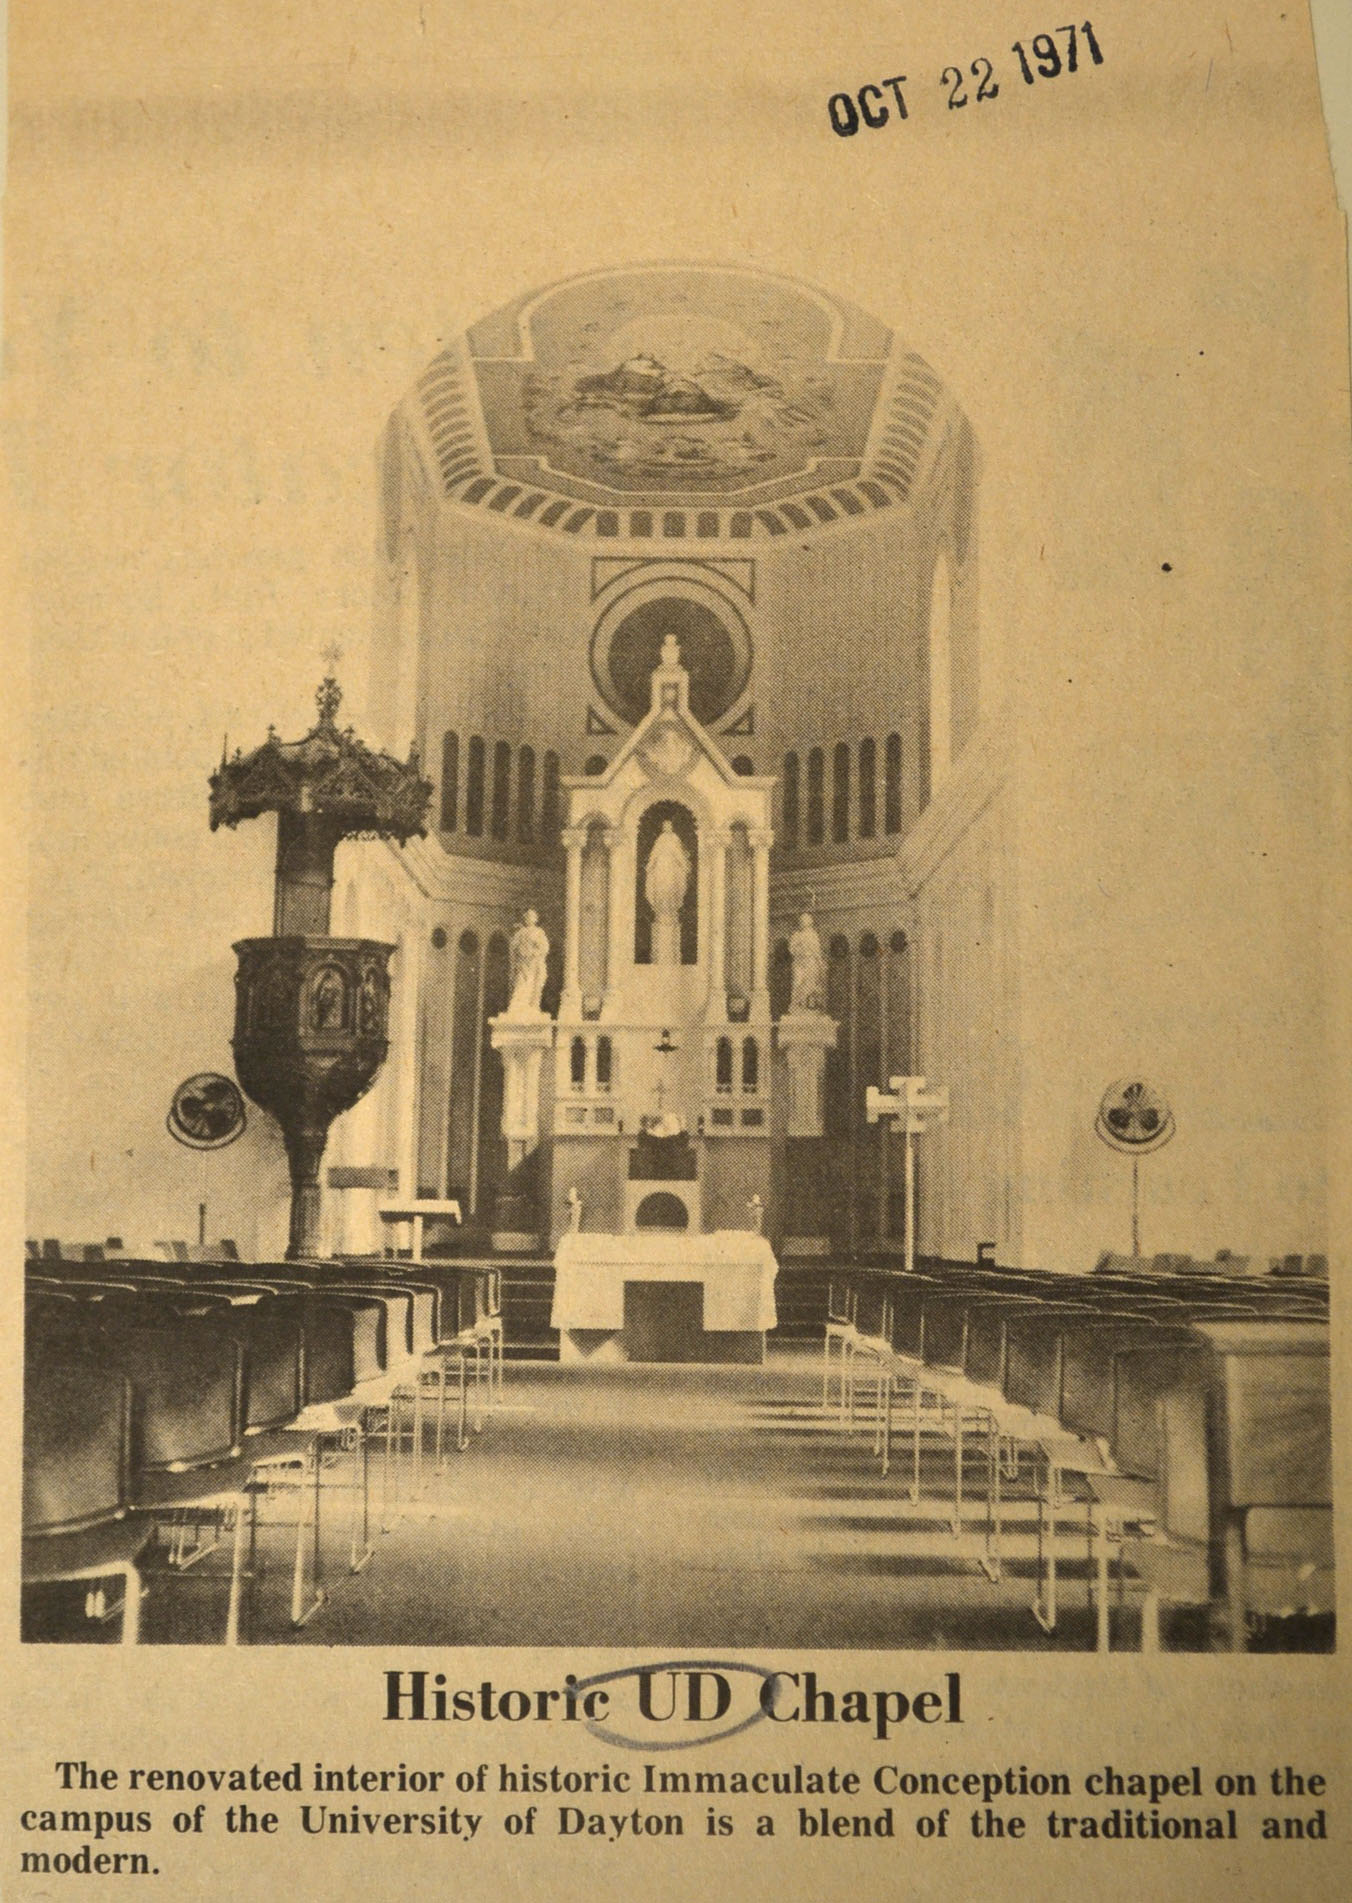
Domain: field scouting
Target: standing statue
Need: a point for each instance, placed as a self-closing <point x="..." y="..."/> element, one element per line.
<point x="529" y="952"/>
<point x="809" y="967"/>
<point x="664" y="885"/>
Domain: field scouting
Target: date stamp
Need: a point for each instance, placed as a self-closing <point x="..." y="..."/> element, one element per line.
<point x="1060" y="50"/>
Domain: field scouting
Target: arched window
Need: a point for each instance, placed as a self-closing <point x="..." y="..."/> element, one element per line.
<point x="816" y="797"/>
<point x="868" y="1066"/>
<point x="502" y="788"/>
<point x="460" y="1134"/>
<point x="551" y="819"/>
<point x="898" y="1005"/>
<point x="839" y="1061"/>
<point x="474" y="789"/>
<point x="723" y="1064"/>
<point x="791" y="802"/>
<point x="492" y="1145"/>
<point x="868" y="789"/>
<point x="603" y="1063"/>
<point x="892" y="784"/>
<point x="577" y="1063"/>
<point x="450" y="780"/>
<point x="525" y="795"/>
<point x="840" y="793"/>
<point x="750" y="1065"/>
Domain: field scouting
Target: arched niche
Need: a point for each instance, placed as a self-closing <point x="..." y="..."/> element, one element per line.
<point x="714" y="641"/>
<point x="660" y="1209"/>
<point x="650" y="826"/>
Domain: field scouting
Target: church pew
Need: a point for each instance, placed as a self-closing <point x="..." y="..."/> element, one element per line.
<point x="270" y="1325"/>
<point x="952" y="1335"/>
<point x="436" y="1335"/>
<point x="197" y="1454"/>
<point x="472" y="1325"/>
<point x="454" y="1317"/>
<point x="1234" y="1428"/>
<point x="346" y="1374"/>
<point x="77" y="1441"/>
<point x="77" y="1525"/>
<point x="186" y="1376"/>
<point x="418" y="1320"/>
<point x="1066" y="1368"/>
<point x="375" y="1403"/>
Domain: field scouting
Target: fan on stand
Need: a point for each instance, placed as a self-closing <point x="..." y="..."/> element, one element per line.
<point x="1134" y="1119"/>
<point x="206" y="1113"/>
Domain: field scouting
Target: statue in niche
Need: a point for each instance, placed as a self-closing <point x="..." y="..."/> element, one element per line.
<point x="529" y="951"/>
<point x="330" y="996"/>
<point x="809" y="967"/>
<point x="664" y="886"/>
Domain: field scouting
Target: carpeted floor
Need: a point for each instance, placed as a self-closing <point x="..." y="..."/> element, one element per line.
<point x="681" y="1506"/>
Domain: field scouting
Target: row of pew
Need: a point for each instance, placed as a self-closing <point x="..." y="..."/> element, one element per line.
<point x="1179" y="1420"/>
<point x="168" y="1408"/>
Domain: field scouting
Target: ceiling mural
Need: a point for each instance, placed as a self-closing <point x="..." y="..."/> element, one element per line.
<point x="662" y="381"/>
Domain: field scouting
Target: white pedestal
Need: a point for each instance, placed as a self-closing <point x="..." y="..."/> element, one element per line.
<point x="805" y="1037"/>
<point x="522" y="1042"/>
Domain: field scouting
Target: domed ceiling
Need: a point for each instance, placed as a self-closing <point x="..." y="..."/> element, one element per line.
<point x="668" y="385"/>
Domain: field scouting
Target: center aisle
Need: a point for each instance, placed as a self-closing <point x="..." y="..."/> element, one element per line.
<point x="679" y="1507"/>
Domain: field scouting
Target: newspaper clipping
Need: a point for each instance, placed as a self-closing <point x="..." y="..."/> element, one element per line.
<point x="678" y="692"/>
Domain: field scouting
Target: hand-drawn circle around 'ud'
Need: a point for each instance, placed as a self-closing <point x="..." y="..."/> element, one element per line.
<point x="607" y="1736"/>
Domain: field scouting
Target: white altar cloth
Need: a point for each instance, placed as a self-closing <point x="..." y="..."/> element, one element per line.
<point x="736" y="1268"/>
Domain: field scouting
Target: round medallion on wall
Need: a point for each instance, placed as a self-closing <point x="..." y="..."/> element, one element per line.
<point x="715" y="651"/>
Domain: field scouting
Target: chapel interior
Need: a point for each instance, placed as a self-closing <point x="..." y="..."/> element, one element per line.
<point x="661" y="1259"/>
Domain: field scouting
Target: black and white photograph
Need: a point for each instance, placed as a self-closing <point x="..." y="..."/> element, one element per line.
<point x="685" y="836"/>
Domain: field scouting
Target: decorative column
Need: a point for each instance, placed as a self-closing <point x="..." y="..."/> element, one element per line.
<point x="522" y="1044"/>
<point x="620" y="919"/>
<point x="718" y="929"/>
<point x="760" y="922"/>
<point x="574" y="839"/>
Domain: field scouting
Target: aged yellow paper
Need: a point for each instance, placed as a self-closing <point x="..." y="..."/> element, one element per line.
<point x="851" y="511"/>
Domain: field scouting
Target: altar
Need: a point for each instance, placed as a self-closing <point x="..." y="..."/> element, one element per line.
<point x="662" y="1295"/>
